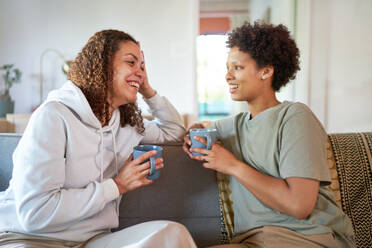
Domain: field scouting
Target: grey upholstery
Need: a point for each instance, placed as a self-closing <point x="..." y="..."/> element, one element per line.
<point x="8" y="143"/>
<point x="185" y="192"/>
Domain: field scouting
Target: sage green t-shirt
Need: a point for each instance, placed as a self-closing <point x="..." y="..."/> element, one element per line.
<point x="283" y="141"/>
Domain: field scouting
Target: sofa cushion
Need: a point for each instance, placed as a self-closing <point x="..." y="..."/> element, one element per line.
<point x="353" y="160"/>
<point x="334" y="186"/>
<point x="227" y="212"/>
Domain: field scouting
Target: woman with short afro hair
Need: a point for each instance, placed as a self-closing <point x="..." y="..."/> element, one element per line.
<point x="275" y="154"/>
<point x="269" y="46"/>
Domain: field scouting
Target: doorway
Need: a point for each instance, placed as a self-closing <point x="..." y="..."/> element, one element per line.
<point x="217" y="18"/>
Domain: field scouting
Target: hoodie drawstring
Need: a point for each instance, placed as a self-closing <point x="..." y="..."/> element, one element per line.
<point x="116" y="166"/>
<point x="116" y="160"/>
<point x="101" y="133"/>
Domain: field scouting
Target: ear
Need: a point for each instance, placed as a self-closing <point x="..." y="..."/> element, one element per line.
<point x="267" y="72"/>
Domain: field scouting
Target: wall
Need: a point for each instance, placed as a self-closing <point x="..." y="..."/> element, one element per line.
<point x="166" y="29"/>
<point x="339" y="58"/>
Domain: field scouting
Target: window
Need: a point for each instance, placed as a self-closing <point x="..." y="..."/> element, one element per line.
<point x="213" y="98"/>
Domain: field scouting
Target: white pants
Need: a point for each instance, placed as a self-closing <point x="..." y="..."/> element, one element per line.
<point x="164" y="234"/>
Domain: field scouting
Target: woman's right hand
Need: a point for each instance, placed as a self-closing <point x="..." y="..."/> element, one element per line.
<point x="134" y="172"/>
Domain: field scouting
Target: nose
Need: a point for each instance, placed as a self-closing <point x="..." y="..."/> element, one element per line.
<point x="229" y="76"/>
<point x="140" y="73"/>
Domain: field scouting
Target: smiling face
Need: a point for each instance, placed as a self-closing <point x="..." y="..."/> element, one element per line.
<point x="128" y="74"/>
<point x="243" y="76"/>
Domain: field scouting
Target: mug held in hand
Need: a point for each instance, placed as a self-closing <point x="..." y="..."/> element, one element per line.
<point x="141" y="149"/>
<point x="208" y="133"/>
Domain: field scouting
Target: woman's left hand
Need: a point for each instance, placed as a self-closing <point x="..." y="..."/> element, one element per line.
<point x="145" y="88"/>
<point x="218" y="158"/>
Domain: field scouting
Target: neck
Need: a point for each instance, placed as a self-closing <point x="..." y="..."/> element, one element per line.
<point x="261" y="104"/>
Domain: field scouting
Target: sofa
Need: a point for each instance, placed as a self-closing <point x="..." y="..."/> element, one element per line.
<point x="200" y="198"/>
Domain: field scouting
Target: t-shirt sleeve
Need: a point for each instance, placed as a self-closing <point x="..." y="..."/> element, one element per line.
<point x="302" y="150"/>
<point x="224" y="127"/>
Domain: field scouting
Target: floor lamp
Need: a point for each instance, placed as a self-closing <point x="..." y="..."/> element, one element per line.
<point x="65" y="68"/>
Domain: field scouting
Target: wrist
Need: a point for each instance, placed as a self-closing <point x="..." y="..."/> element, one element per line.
<point x="121" y="188"/>
<point x="148" y="93"/>
<point x="236" y="168"/>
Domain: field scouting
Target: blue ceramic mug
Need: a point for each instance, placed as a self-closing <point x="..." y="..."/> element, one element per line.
<point x="141" y="149"/>
<point x="208" y="133"/>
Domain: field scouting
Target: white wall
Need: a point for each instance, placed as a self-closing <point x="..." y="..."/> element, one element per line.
<point x="166" y="28"/>
<point x="339" y="74"/>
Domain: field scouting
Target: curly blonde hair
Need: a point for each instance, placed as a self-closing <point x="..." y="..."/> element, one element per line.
<point x="92" y="72"/>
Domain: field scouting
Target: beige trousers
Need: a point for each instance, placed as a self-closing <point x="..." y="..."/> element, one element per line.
<point x="279" y="237"/>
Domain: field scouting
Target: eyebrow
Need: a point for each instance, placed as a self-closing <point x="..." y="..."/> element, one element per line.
<point x="131" y="54"/>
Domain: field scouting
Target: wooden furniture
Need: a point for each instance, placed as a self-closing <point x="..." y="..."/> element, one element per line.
<point x="6" y="126"/>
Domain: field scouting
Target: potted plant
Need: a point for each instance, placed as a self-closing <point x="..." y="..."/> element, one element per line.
<point x="10" y="76"/>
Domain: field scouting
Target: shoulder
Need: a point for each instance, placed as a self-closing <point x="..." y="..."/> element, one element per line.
<point x="52" y="108"/>
<point x="296" y="110"/>
<point x="293" y="108"/>
<point x="228" y="124"/>
<point x="296" y="114"/>
<point x="49" y="115"/>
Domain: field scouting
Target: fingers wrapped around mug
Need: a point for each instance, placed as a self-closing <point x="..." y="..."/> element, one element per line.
<point x="201" y="140"/>
<point x="147" y="165"/>
<point x="203" y="153"/>
<point x="145" y="156"/>
<point x="186" y="145"/>
<point x="150" y="154"/>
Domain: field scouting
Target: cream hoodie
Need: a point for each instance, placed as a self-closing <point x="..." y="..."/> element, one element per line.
<point x="62" y="183"/>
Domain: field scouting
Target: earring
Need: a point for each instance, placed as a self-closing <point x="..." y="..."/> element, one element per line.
<point x="263" y="77"/>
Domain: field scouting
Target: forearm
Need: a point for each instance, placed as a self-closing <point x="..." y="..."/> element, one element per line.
<point x="277" y="193"/>
<point x="168" y="126"/>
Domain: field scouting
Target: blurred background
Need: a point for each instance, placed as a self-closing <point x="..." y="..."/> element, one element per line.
<point x="185" y="51"/>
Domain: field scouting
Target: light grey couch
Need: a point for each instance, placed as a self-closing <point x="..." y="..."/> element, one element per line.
<point x="185" y="192"/>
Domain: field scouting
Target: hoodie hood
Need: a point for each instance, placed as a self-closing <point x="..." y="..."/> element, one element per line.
<point x="71" y="96"/>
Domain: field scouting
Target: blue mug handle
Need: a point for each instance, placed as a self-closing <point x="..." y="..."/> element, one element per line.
<point x="152" y="165"/>
<point x="209" y="140"/>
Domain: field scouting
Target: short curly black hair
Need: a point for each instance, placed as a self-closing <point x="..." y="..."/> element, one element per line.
<point x="268" y="45"/>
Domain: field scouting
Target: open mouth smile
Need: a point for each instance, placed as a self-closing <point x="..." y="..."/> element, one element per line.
<point x="134" y="84"/>
<point x="233" y="88"/>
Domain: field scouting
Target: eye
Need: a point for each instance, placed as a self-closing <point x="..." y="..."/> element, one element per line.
<point x="143" y="66"/>
<point x="238" y="67"/>
<point x="131" y="62"/>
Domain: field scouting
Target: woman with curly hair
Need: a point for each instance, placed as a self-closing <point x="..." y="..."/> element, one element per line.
<point x="74" y="159"/>
<point x="275" y="154"/>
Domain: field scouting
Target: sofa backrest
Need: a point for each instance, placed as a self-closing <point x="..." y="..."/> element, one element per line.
<point x="8" y="143"/>
<point x="186" y="192"/>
